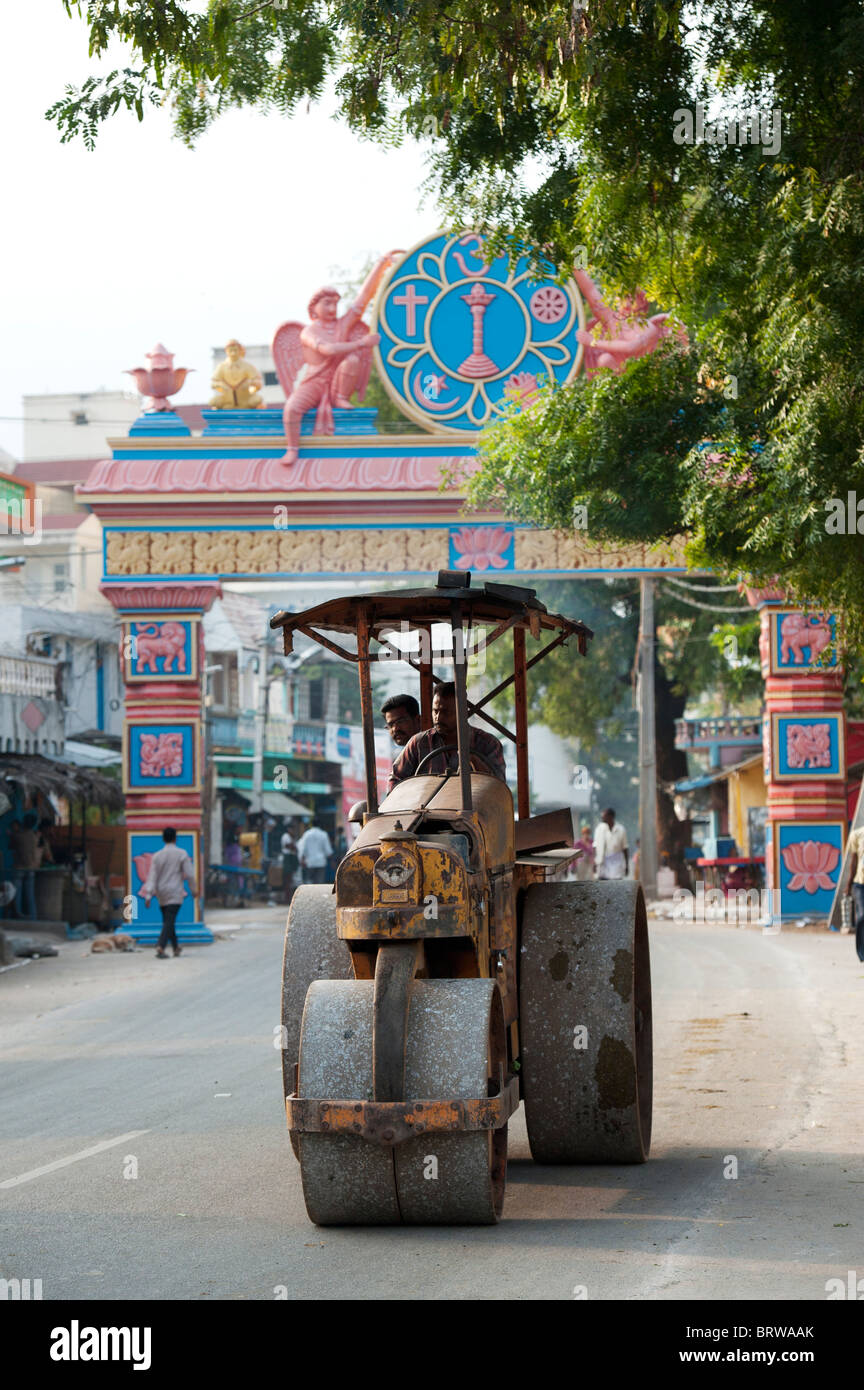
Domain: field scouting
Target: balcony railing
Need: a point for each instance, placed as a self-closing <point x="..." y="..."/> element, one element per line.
<point x="733" y="728"/>
<point x="299" y="740"/>
<point x="19" y="676"/>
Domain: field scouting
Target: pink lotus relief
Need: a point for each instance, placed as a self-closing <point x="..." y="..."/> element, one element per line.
<point x="142" y="864"/>
<point x="481" y="546"/>
<point x="521" y="387"/>
<point x="811" y="863"/>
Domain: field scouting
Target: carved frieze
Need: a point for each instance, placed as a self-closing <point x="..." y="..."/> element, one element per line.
<point x="359" y="550"/>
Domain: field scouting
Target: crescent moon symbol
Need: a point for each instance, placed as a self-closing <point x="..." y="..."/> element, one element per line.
<point x="424" y="400"/>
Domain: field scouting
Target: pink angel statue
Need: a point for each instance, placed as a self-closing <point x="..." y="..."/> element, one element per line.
<point x="628" y="332"/>
<point x="335" y="355"/>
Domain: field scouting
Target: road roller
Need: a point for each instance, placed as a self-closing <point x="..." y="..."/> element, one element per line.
<point x="450" y="973"/>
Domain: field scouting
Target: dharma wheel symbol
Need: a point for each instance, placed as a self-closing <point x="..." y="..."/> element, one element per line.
<point x="549" y="304"/>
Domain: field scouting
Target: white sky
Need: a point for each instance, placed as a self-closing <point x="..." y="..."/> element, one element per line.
<point x="105" y="254"/>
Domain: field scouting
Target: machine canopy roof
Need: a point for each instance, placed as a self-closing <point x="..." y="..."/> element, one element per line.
<point x="488" y="605"/>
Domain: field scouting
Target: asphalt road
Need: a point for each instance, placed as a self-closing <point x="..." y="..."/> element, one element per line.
<point x="171" y="1068"/>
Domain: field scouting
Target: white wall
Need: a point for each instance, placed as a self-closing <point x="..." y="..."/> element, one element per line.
<point x="50" y="431"/>
<point x="81" y="651"/>
<point x="60" y="570"/>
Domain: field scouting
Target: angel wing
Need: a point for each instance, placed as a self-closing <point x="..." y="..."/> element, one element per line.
<point x="364" y="359"/>
<point x="287" y="354"/>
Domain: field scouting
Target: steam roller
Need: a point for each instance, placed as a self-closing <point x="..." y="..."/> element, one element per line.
<point x="450" y="972"/>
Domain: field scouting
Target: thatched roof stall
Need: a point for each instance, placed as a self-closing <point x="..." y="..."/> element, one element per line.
<point x="72" y="884"/>
<point x="31" y="773"/>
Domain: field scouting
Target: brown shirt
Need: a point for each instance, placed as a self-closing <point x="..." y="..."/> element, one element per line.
<point x="26" y="850"/>
<point x="427" y="740"/>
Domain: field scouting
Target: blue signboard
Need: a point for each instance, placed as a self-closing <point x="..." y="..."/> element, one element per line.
<point x="161" y="755"/>
<point x="462" y="337"/>
<point x="142" y="847"/>
<point x="809" y="856"/>
<point x="807" y="746"/>
<point x="802" y="642"/>
<point x="161" y="651"/>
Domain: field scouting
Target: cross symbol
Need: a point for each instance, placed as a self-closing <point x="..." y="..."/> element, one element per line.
<point x="410" y="299"/>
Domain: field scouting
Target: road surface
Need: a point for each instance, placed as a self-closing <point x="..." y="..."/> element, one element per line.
<point x="143" y="1151"/>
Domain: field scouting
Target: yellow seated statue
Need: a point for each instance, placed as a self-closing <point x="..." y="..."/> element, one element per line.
<point x="238" y="383"/>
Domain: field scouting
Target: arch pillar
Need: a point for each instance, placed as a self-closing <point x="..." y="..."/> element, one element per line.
<point x="162" y="660"/>
<point x="804" y="747"/>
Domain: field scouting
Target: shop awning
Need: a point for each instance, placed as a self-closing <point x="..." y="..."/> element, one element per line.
<point x="89" y="755"/>
<point x="274" y="803"/>
<point x="244" y="785"/>
<point x="718" y="775"/>
<point x="278" y="804"/>
<point x="691" y="784"/>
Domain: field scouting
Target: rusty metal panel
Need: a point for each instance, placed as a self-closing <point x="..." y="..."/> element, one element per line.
<point x="502" y="935"/>
<point x="493" y="810"/>
<point x="401" y="923"/>
<point x="434" y="900"/>
<point x="411" y="795"/>
<point x="553" y="830"/>
<point x="392" y="1122"/>
<point x="354" y="877"/>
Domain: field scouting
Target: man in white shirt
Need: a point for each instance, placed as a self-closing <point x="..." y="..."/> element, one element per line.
<point x="170" y="870"/>
<point x="611" y="855"/>
<point x="314" y="849"/>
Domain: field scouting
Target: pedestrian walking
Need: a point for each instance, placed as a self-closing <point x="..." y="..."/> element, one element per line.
<point x="585" y="862"/>
<point x="290" y="863"/>
<point x="170" y="870"/>
<point x="855" y="887"/>
<point x="313" y="851"/>
<point x="340" y="849"/>
<point x="611" y="856"/>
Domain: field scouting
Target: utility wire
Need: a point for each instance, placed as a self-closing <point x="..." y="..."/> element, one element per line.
<point x="53" y="420"/>
<point x="702" y="588"/>
<point x="708" y="607"/>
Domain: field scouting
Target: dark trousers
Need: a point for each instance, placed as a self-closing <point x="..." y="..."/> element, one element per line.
<point x="315" y="875"/>
<point x="858" y="900"/>
<point x="168" y="934"/>
<point x="25" y="893"/>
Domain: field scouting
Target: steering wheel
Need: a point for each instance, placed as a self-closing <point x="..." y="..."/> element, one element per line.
<point x="451" y="748"/>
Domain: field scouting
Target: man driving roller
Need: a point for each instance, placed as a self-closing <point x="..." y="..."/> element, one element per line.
<point x="442" y="735"/>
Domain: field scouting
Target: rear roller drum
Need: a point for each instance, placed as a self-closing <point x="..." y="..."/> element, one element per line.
<point x="585" y="1022"/>
<point x="455" y="1048"/>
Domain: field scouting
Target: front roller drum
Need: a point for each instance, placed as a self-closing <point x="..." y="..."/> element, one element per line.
<point x="585" y="1022"/>
<point x="313" y="951"/>
<point x="455" y="1050"/>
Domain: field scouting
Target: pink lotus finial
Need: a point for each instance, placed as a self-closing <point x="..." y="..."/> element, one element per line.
<point x="161" y="380"/>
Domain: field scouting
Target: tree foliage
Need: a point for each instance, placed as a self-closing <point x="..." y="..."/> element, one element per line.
<point x="557" y="121"/>
<point x="591" y="701"/>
